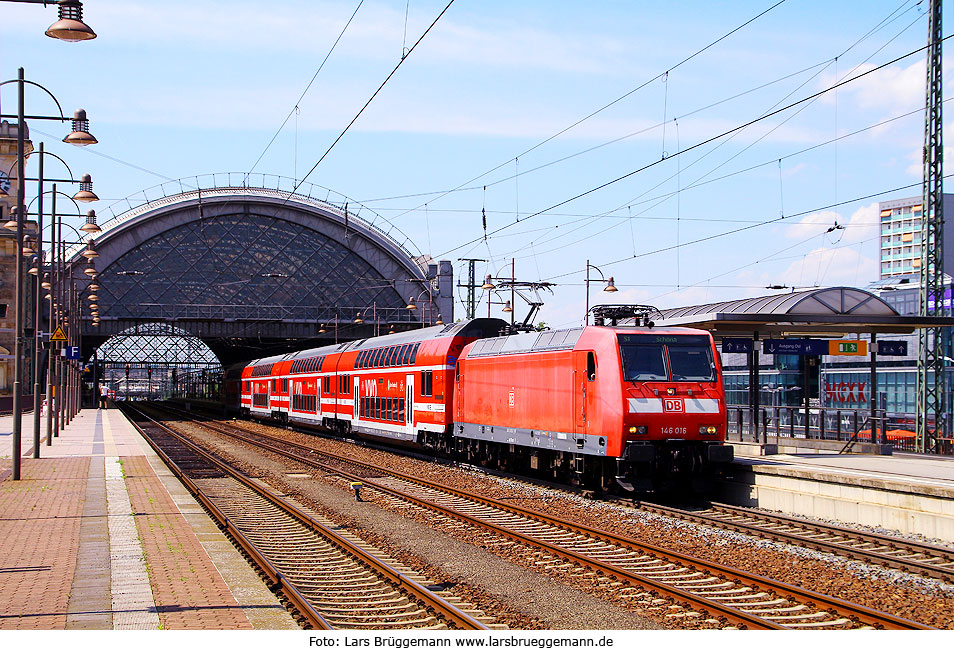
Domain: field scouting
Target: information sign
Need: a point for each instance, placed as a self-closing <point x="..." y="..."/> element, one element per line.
<point x="893" y="348"/>
<point x="847" y="347"/>
<point x="795" y="347"/>
<point x="736" y="345"/>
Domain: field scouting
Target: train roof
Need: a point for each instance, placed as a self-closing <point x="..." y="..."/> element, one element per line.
<point x="480" y="327"/>
<point x="558" y="340"/>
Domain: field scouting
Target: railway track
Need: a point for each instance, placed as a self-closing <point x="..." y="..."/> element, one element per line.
<point x="892" y="552"/>
<point x="739" y="597"/>
<point x="334" y="579"/>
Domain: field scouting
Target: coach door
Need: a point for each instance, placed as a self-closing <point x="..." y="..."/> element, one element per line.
<point x="409" y="403"/>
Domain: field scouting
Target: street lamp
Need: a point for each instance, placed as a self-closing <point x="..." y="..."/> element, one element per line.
<point x="70" y="27"/>
<point x="489" y="285"/>
<point x="610" y="287"/>
<point x="85" y="194"/>
<point x="412" y="303"/>
<point x="80" y="127"/>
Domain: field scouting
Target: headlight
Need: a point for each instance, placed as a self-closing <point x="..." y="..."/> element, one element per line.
<point x="708" y="430"/>
<point x="639" y="430"/>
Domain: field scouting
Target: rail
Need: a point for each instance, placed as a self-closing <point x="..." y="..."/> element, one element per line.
<point x="693" y="593"/>
<point x="449" y="612"/>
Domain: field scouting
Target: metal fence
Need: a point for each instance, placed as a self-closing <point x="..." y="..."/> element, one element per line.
<point x="827" y="424"/>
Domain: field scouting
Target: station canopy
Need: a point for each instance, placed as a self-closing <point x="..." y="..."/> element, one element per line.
<point x="835" y="311"/>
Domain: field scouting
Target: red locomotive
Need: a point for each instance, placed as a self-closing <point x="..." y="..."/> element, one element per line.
<point x="641" y="406"/>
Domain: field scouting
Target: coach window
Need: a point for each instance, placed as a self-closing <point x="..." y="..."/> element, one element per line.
<point x="402" y="358"/>
<point x="427" y="383"/>
<point x="417" y="346"/>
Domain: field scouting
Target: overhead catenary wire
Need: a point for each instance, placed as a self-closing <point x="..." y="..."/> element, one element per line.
<point x="894" y="15"/>
<point x="749" y="146"/>
<point x="371" y="99"/>
<point x="751" y="226"/>
<point x="702" y="143"/>
<point x="305" y="92"/>
<point x="607" y="105"/>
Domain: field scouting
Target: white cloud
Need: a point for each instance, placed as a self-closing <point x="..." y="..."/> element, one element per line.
<point x="891" y="90"/>
<point x="862" y="225"/>
<point x="377" y="31"/>
<point x="830" y="266"/>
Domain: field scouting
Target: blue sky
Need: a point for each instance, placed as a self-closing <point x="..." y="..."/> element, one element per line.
<point x="176" y="89"/>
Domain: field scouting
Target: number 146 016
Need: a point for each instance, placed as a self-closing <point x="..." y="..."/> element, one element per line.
<point x="673" y="430"/>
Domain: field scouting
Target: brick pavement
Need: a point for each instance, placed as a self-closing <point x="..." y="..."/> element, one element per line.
<point x="98" y="534"/>
<point x="189" y="592"/>
<point x="40" y="520"/>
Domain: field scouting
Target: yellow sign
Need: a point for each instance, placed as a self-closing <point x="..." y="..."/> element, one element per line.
<point x="847" y="347"/>
<point x="59" y="335"/>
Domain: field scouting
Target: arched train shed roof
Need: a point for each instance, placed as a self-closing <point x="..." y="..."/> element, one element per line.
<point x="245" y="266"/>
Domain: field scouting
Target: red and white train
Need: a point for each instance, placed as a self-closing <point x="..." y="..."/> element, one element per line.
<point x="644" y="407"/>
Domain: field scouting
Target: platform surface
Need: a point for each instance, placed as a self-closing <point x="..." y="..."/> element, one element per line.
<point x="933" y="473"/>
<point x="98" y="534"/>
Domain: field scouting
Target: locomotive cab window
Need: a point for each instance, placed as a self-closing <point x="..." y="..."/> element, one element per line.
<point x="690" y="362"/>
<point x="667" y="357"/>
<point x="643" y="362"/>
<point x="590" y="366"/>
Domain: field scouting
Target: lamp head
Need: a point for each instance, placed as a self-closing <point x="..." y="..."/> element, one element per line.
<point x="86" y="191"/>
<point x="80" y="135"/>
<point x="70" y="27"/>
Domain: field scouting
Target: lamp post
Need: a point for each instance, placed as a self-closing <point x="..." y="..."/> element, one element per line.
<point x="79" y="136"/>
<point x="610" y="287"/>
<point x="65" y="301"/>
<point x="50" y="284"/>
<point x="85" y="194"/>
<point x="489" y="285"/>
<point x="412" y="305"/>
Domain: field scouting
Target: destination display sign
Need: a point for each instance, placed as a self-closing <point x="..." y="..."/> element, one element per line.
<point x="795" y="347"/>
<point x="893" y="348"/>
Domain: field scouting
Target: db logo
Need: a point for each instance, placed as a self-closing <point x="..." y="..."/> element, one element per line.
<point x="672" y="405"/>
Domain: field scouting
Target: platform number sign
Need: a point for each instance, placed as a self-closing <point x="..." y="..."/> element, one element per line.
<point x="72" y="353"/>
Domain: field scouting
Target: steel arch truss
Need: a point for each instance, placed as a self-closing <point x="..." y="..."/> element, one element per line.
<point x="254" y="263"/>
<point x="156" y="345"/>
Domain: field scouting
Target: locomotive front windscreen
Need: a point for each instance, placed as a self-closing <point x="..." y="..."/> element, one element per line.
<point x="666" y="357"/>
